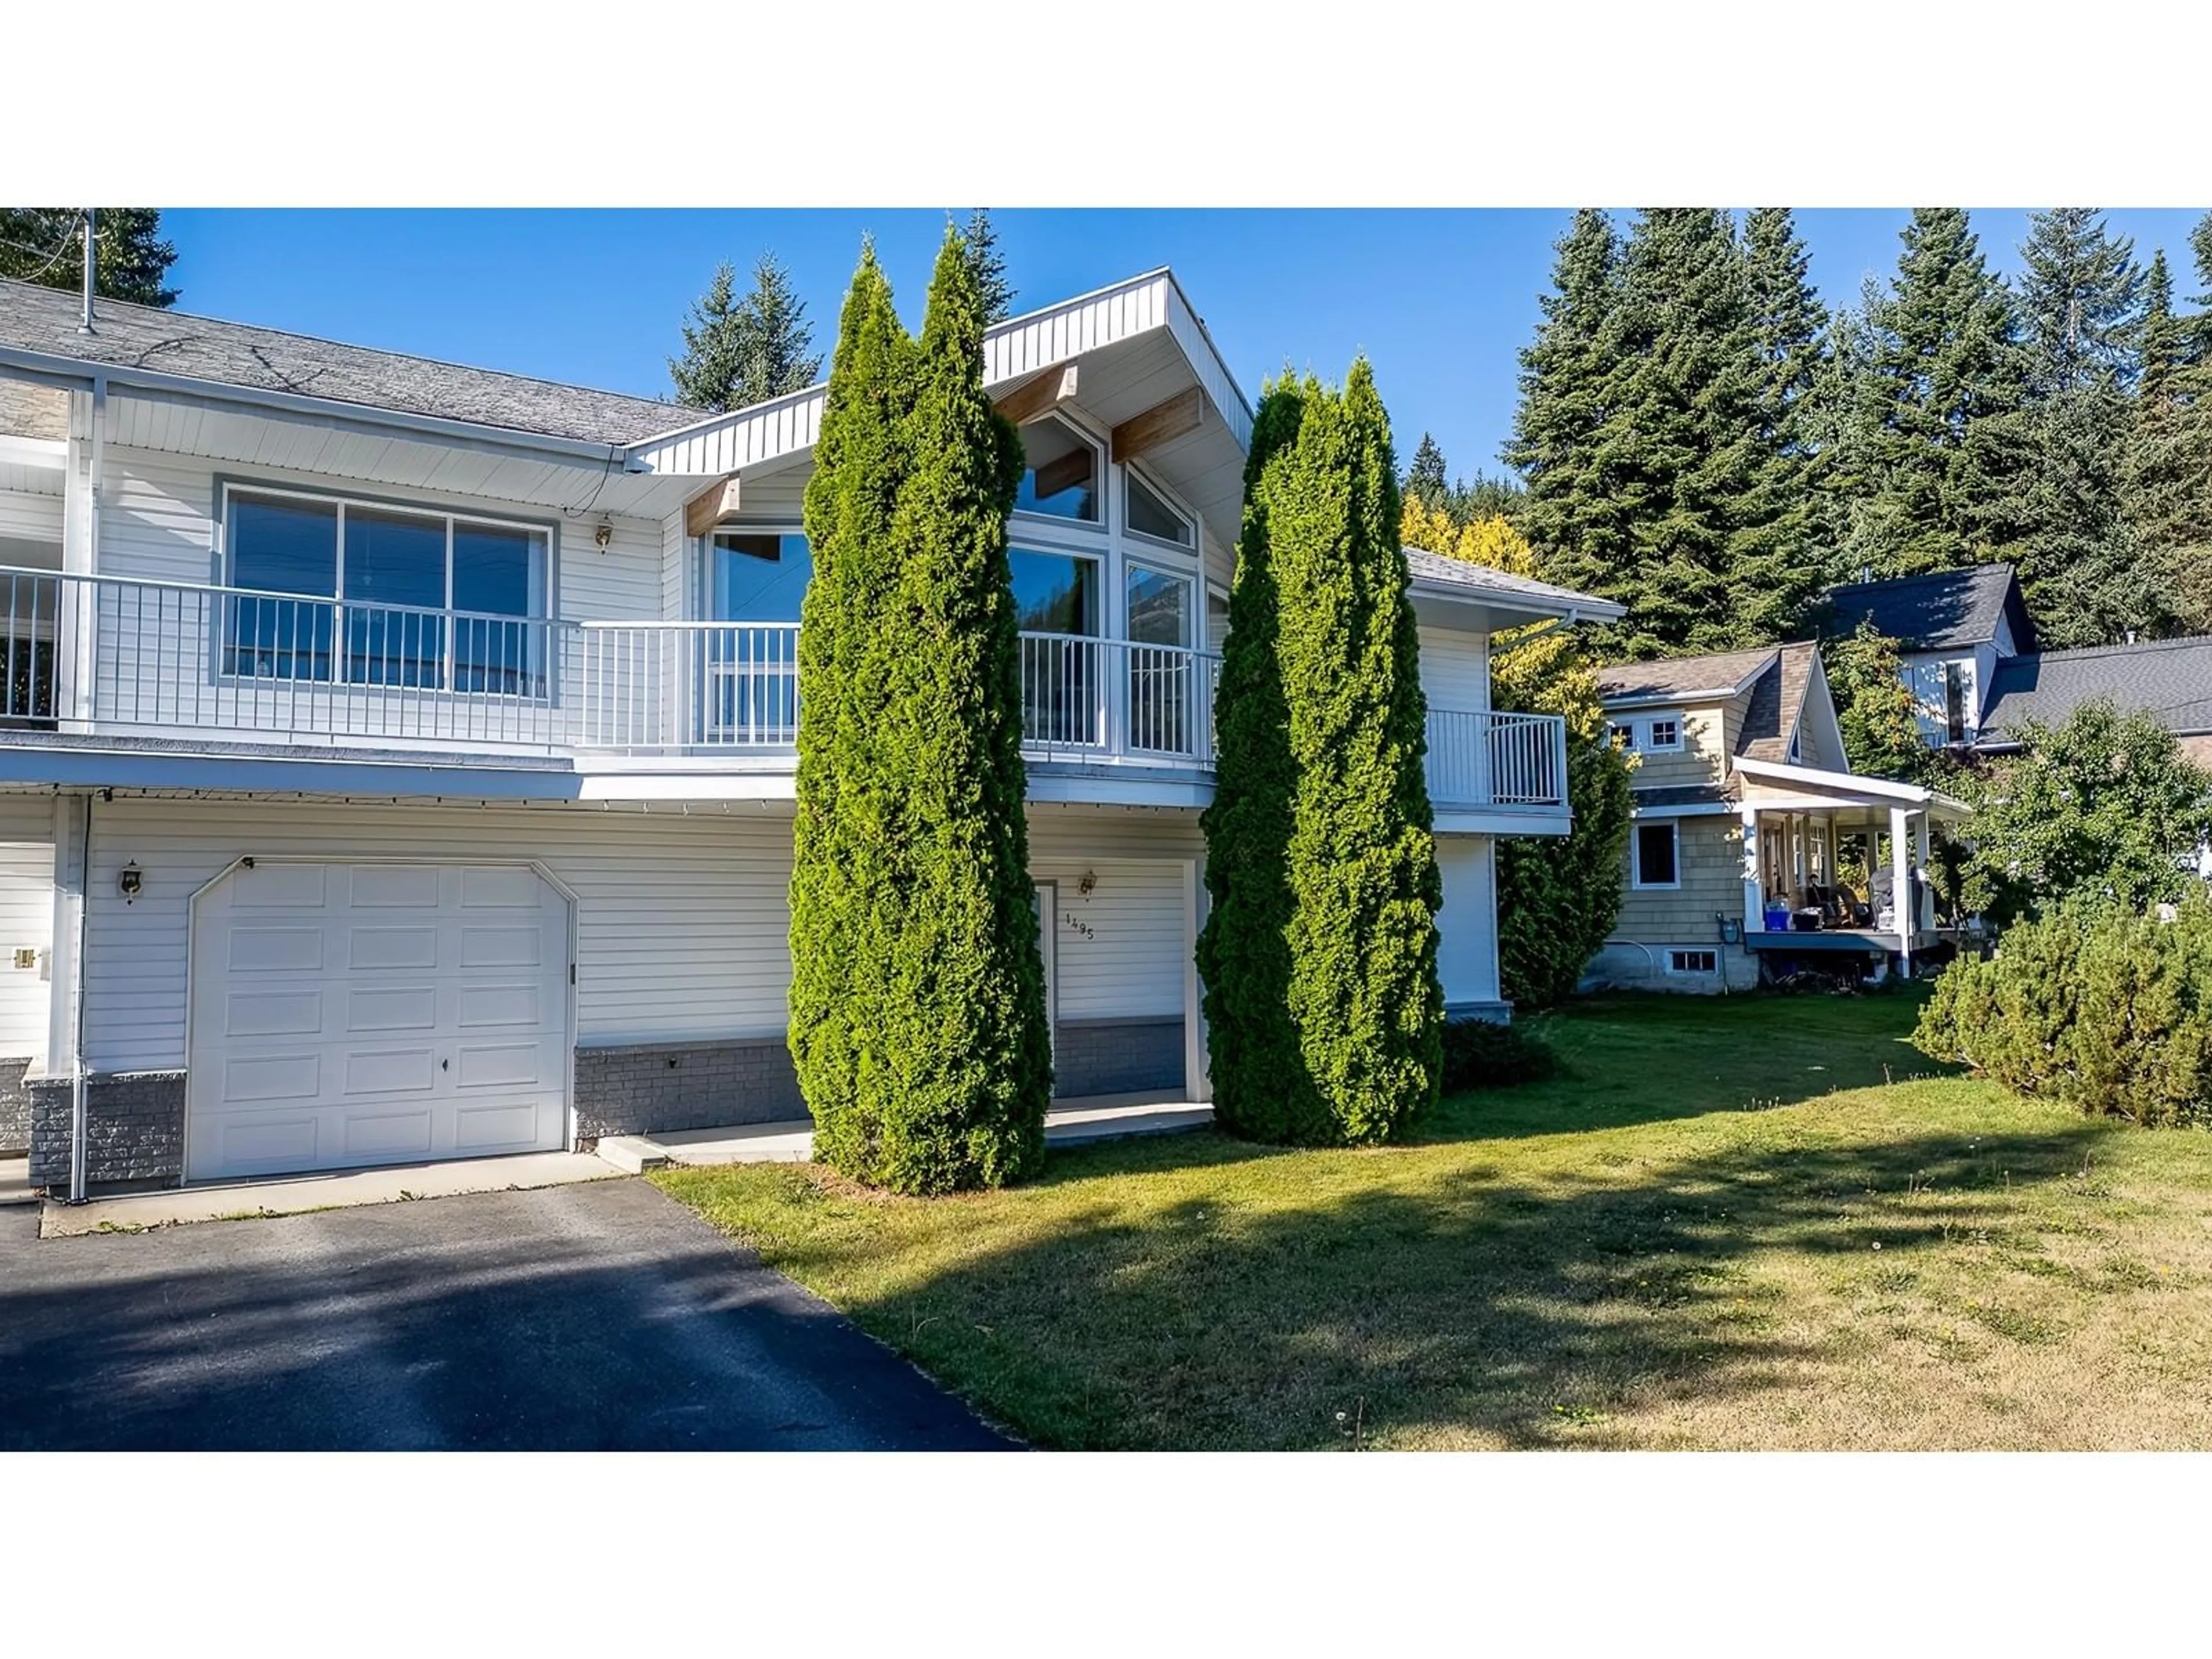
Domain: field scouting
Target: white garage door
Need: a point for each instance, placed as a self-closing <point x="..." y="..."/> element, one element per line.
<point x="375" y="1013"/>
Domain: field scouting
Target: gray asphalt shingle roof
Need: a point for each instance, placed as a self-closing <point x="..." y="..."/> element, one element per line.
<point x="1938" y="612"/>
<point x="2171" y="679"/>
<point x="1778" y="702"/>
<point x="45" y="320"/>
<point x="1715" y="675"/>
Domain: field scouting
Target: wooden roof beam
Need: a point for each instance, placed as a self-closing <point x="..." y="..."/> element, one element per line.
<point x="1163" y="423"/>
<point x="710" y="506"/>
<point x="1035" y="396"/>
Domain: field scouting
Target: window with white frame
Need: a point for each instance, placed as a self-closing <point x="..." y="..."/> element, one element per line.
<point x="1061" y="473"/>
<point x="1693" y="962"/>
<point x="371" y="594"/>
<point x="1648" y="734"/>
<point x="1151" y="515"/>
<point x="1216" y="616"/>
<point x="1657" y="851"/>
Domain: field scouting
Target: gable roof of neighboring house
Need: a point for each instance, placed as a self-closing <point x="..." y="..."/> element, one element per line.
<point x="1778" y="704"/>
<point x="1682" y="679"/>
<point x="2171" y="679"/>
<point x="43" y="321"/>
<point x="1941" y="610"/>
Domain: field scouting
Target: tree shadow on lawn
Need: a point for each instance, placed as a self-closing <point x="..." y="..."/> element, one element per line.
<point x="1629" y="1059"/>
<point x="1432" y="1302"/>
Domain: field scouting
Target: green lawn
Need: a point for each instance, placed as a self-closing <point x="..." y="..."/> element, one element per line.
<point x="1751" y="1222"/>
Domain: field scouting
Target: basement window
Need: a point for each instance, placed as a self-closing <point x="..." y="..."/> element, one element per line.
<point x="1693" y="962"/>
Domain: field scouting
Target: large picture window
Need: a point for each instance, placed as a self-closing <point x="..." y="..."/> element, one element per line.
<point x="1060" y="473"/>
<point x="756" y="583"/>
<point x="1151" y="513"/>
<point x="373" y="595"/>
<point x="1160" y="666"/>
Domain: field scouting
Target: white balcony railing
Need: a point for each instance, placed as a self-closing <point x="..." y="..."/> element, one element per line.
<point x="182" y="660"/>
<point x="1479" y="758"/>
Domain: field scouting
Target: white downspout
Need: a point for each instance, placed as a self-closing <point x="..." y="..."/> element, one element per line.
<point x="80" y="1104"/>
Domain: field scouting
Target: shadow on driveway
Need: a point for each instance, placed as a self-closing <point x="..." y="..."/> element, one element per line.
<point x="603" y="1316"/>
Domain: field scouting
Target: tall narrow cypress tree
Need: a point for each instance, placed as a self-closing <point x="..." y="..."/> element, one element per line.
<point x="965" y="1055"/>
<point x="917" y="1000"/>
<point x="842" y="882"/>
<point x="1321" y="859"/>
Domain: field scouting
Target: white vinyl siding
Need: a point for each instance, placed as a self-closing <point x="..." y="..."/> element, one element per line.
<point x="1120" y="947"/>
<point x="681" y="919"/>
<point x="26" y="921"/>
<point x="1456" y="668"/>
<point x="1466" y="927"/>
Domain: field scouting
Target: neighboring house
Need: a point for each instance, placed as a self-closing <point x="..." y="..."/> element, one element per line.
<point x="1748" y="820"/>
<point x="1953" y="628"/>
<point x="1967" y="647"/>
<point x="395" y="758"/>
<point x="2169" y="678"/>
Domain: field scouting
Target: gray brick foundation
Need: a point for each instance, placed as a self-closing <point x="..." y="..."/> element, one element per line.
<point x="135" y="1130"/>
<point x="1117" y="1056"/>
<point x="1498" y="1013"/>
<point x="14" y="1108"/>
<point x="651" y="1088"/>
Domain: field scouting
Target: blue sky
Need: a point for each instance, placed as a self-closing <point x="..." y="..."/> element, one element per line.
<point x="1440" y="299"/>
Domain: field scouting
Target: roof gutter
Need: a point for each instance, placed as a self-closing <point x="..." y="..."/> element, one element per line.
<point x="75" y="373"/>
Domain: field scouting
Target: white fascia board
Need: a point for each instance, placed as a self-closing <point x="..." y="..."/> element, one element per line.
<point x="92" y="768"/>
<point x="1815" y="781"/>
<point x="1493" y="823"/>
<point x="1533" y="607"/>
<point x="84" y="372"/>
<point x="1012" y="351"/>
<point x="38" y="454"/>
<point x="1710" y="808"/>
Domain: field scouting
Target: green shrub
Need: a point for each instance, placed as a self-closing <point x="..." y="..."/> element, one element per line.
<point x="1479" y="1054"/>
<point x="2105" y="1009"/>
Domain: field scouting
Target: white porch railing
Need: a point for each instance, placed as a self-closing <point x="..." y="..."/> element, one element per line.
<point x="1482" y="757"/>
<point x="1085" y="698"/>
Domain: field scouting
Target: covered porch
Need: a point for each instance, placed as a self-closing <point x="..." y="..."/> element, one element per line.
<point x="1835" y="863"/>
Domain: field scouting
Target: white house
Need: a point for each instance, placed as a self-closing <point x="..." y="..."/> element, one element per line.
<point x="1954" y="630"/>
<point x="396" y="757"/>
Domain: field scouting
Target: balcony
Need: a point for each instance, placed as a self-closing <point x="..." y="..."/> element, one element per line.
<point x="108" y="655"/>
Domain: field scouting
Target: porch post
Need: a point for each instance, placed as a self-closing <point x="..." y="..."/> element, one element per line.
<point x="1923" y="901"/>
<point x="1754" y="896"/>
<point x="1901" y="897"/>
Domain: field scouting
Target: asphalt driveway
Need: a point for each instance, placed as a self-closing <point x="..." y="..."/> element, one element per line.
<point x="579" y="1317"/>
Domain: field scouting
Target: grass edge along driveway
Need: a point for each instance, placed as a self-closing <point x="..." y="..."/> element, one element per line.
<point x="1752" y="1222"/>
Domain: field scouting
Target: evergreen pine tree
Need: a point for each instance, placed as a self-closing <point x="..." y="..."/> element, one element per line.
<point x="1787" y="319"/>
<point x="131" y="261"/>
<point x="2168" y="486"/>
<point x="1425" y="482"/>
<point x="982" y="241"/>
<point x="920" y="1026"/>
<point x="741" y="352"/>
<point x="1778" y="565"/>
<point x="2082" y="568"/>
<point x="1325" y="895"/>
<point x="1943" y="442"/>
<point x="1715" y="556"/>
<point x="2165" y="336"/>
<point x="2081" y="302"/>
<point x="1569" y="512"/>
